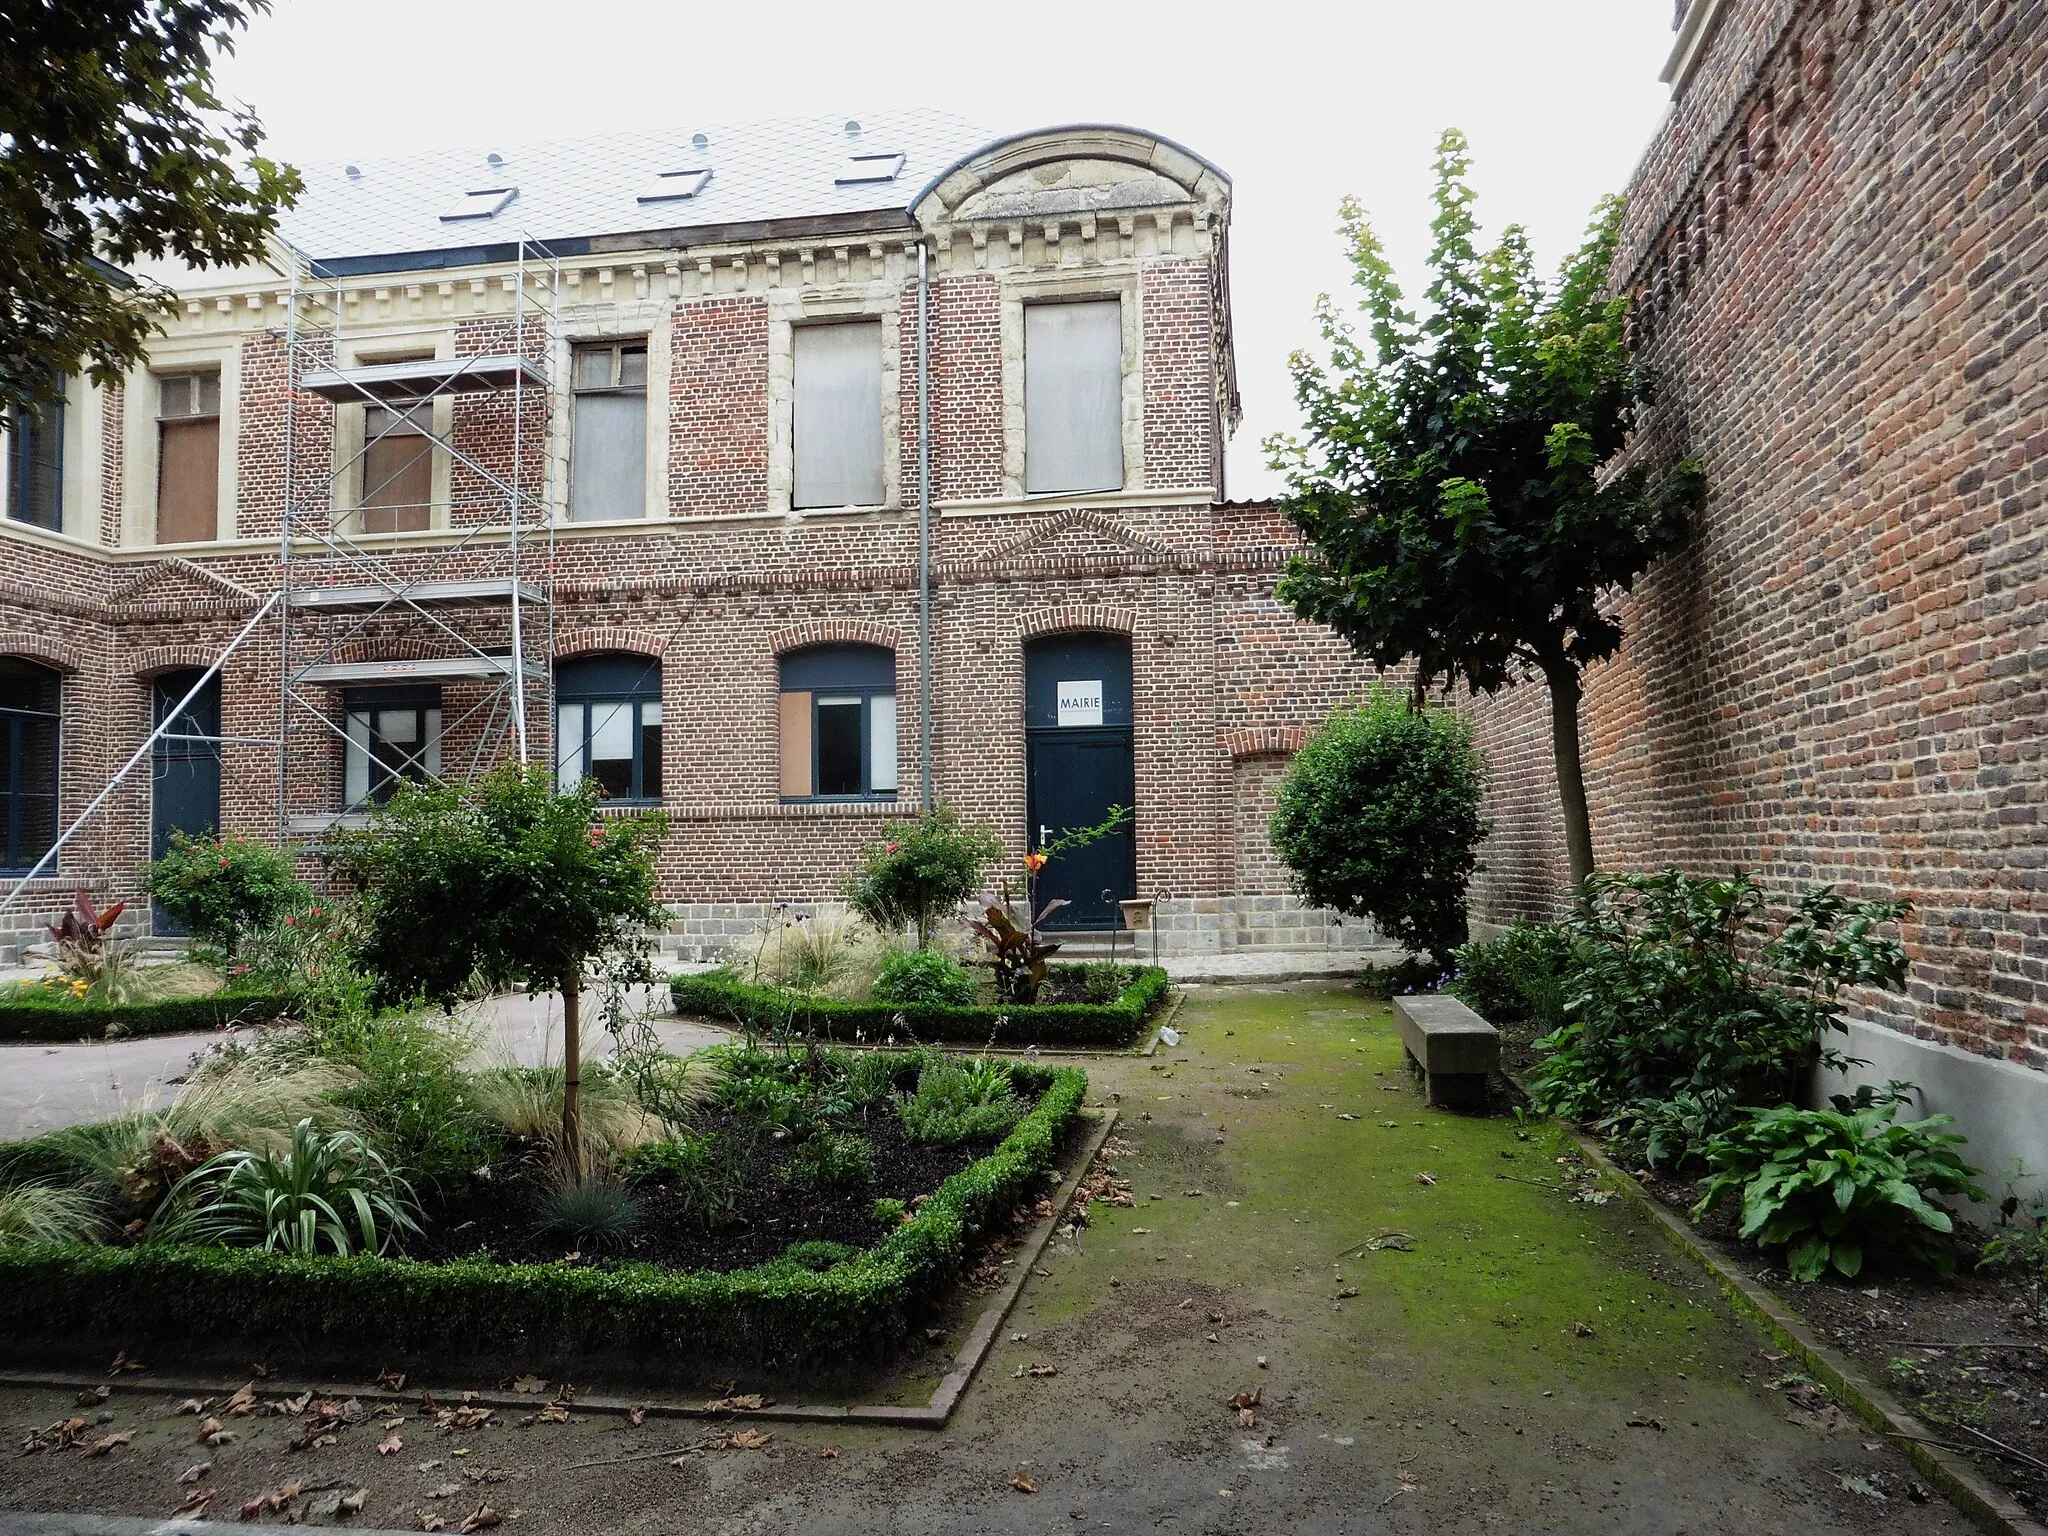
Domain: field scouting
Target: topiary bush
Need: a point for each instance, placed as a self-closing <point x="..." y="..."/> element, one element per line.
<point x="926" y="976"/>
<point x="1378" y="816"/>
<point x="920" y="871"/>
<point x="219" y="889"/>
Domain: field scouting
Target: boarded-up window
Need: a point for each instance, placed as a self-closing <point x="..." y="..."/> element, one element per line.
<point x="187" y="458"/>
<point x="398" y="468"/>
<point x="838" y="722"/>
<point x="838" y="417"/>
<point x="796" y="745"/>
<point x="608" y="456"/>
<point x="1073" y="396"/>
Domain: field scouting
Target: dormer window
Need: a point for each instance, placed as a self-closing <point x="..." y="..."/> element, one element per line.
<point x="862" y="169"/>
<point x="486" y="203"/>
<point x="674" y="186"/>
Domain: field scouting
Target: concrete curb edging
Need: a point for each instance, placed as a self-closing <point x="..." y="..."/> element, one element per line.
<point x="931" y="1415"/>
<point x="1965" y="1487"/>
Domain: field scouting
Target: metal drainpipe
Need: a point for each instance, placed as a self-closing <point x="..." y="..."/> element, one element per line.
<point x="924" y="526"/>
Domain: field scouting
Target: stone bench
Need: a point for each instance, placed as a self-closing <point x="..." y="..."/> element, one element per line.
<point x="1454" y="1048"/>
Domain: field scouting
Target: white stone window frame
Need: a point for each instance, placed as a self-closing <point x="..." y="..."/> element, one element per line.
<point x="364" y="351"/>
<point x="170" y="355"/>
<point x="631" y="320"/>
<point x="1022" y="287"/>
<point x="790" y="308"/>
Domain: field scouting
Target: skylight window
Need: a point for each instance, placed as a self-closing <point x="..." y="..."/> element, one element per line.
<point x="861" y="169"/>
<point x="674" y="186"/>
<point x="485" y="203"/>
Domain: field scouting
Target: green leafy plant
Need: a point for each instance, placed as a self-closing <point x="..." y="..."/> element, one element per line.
<point x="1683" y="986"/>
<point x="813" y="1256"/>
<point x="501" y="881"/>
<point x="708" y="1173"/>
<point x="1020" y="958"/>
<point x="870" y="1079"/>
<point x="1671" y="1132"/>
<point x="833" y="1160"/>
<point x="1453" y="482"/>
<point x="1519" y="975"/>
<point x="50" y="1213"/>
<point x="331" y="1192"/>
<point x="591" y="1209"/>
<point x="2020" y="1242"/>
<point x="224" y="888"/>
<point x="1837" y="1187"/>
<point x="924" y="976"/>
<point x="920" y="871"/>
<point x="889" y="1211"/>
<point x="958" y="1101"/>
<point x="410" y="1089"/>
<point x="1103" y="981"/>
<point x="104" y="971"/>
<point x="1378" y="816"/>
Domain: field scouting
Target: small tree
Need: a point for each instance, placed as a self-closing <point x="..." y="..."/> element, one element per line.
<point x="502" y="882"/>
<point x="114" y="148"/>
<point x="223" y="888"/>
<point x="1451" y="482"/>
<point x="920" y="871"/>
<point x="1378" y="817"/>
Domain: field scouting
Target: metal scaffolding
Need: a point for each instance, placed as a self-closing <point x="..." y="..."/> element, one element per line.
<point x="455" y="585"/>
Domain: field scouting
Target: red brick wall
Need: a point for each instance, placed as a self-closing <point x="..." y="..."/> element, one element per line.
<point x="1838" y="246"/>
<point x="718" y="434"/>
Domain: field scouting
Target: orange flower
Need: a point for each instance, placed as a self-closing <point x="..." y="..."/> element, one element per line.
<point x="1034" y="862"/>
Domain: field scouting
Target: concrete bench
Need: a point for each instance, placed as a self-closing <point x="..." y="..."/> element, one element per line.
<point x="1454" y="1048"/>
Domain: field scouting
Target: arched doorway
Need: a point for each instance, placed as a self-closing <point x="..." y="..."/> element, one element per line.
<point x="184" y="768"/>
<point x="1077" y="732"/>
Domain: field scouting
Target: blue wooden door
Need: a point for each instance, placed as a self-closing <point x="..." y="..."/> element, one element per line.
<point x="1077" y="705"/>
<point x="185" y="770"/>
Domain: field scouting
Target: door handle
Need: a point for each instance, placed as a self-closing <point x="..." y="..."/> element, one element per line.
<point x="1044" y="835"/>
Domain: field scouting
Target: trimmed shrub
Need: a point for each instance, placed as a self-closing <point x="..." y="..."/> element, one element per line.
<point x="220" y="888"/>
<point x="833" y="1160"/>
<point x="723" y="996"/>
<point x="920" y="872"/>
<point x="927" y="977"/>
<point x="1378" y="816"/>
<point x="960" y="1101"/>
<point x="340" y="1306"/>
<point x="48" y="1013"/>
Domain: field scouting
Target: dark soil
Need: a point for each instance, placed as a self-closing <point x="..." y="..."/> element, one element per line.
<point x="1969" y="1354"/>
<point x="499" y="1218"/>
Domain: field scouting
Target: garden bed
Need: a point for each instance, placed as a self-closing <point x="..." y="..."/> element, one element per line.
<point x="723" y="996"/>
<point x="627" y="1315"/>
<point x="31" y="1013"/>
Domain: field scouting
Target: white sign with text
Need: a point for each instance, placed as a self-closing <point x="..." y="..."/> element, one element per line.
<point x="1081" y="703"/>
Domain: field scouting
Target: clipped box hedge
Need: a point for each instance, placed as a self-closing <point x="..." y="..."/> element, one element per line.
<point x="28" y="1016"/>
<point x="721" y="995"/>
<point x="65" y="1294"/>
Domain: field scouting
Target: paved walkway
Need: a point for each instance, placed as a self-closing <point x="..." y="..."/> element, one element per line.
<point x="45" y="1087"/>
<point x="1519" y="1360"/>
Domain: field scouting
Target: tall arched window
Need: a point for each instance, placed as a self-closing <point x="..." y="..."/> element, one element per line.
<point x="29" y="697"/>
<point x="839" y="723"/>
<point x="608" y="725"/>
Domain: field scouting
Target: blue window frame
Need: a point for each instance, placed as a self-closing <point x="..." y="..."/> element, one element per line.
<point x="608" y="726"/>
<point x="838" y="714"/>
<point x="35" y="463"/>
<point x="29" y="700"/>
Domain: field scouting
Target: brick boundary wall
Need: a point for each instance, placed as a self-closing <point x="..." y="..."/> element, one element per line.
<point x="1836" y="246"/>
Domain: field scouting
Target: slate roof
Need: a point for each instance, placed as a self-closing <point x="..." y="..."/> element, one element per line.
<point x="582" y="194"/>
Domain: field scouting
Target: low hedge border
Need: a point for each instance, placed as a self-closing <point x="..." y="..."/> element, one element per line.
<point x="720" y="995"/>
<point x="71" y="1293"/>
<point x="29" y="1018"/>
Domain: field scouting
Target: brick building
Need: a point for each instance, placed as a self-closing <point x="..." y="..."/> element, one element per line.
<point x="1837" y="243"/>
<point x="638" y="451"/>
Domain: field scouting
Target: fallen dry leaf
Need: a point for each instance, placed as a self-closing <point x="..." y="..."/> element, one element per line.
<point x="92" y="1397"/>
<point x="482" y="1518"/>
<point x="390" y="1445"/>
<point x="431" y="1522"/>
<point x="195" y="1405"/>
<point x="531" y="1385"/>
<point x="1045" y="1370"/>
<point x="748" y="1440"/>
<point x="106" y="1443"/>
<point x="1644" y="1421"/>
<point x="1024" y="1482"/>
<point x="243" y="1401"/>
<point x="196" y="1471"/>
<point x="209" y="1427"/>
<point x="554" y="1413"/>
<point x="1249" y="1399"/>
<point x="123" y="1363"/>
<point x="196" y="1501"/>
<point x="391" y="1381"/>
<point x="1581" y="1330"/>
<point x="352" y="1503"/>
<point x="828" y="1453"/>
<point x="468" y="1416"/>
<point x="1246" y="1419"/>
<point x="636" y="1414"/>
<point x="1425" y="1179"/>
<point x="745" y="1402"/>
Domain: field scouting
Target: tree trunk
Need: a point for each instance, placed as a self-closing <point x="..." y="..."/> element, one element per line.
<point x="572" y="1073"/>
<point x="1563" y="679"/>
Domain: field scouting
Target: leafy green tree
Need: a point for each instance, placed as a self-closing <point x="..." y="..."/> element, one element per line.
<point x="224" y="888"/>
<point x="1456" y="479"/>
<point x="115" y="149"/>
<point x="501" y="882"/>
<point x="1378" y="817"/>
<point x="920" y="871"/>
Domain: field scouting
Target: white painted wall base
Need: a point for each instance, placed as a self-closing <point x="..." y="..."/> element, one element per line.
<point x="2001" y="1107"/>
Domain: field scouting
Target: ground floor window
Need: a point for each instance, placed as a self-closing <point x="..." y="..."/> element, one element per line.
<point x="392" y="734"/>
<point x="608" y="725"/>
<point x="28" y="763"/>
<point x="838" y="707"/>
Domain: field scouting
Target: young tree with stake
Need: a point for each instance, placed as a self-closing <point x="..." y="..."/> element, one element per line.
<point x="1450" y="479"/>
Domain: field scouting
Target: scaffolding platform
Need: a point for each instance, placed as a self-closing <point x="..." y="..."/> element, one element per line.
<point x="424" y="379"/>
<point x="432" y="669"/>
<point x="342" y="599"/>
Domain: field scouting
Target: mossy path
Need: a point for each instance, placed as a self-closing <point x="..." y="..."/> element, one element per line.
<point x="1511" y="1356"/>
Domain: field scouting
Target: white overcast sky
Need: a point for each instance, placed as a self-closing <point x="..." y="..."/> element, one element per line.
<point x="1300" y="103"/>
